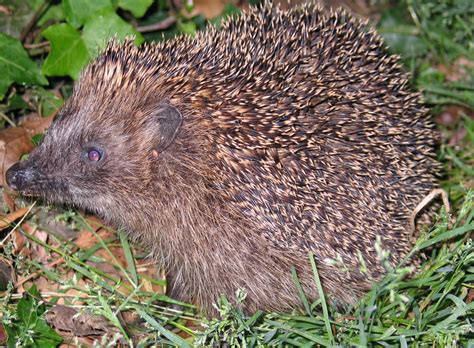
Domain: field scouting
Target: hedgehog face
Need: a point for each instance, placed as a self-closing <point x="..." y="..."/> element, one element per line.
<point x="73" y="164"/>
<point x="93" y="158"/>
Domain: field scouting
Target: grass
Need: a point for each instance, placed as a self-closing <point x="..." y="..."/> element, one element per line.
<point x="432" y="307"/>
<point x="105" y="294"/>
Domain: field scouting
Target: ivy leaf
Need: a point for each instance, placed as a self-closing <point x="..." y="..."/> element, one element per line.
<point x="30" y="315"/>
<point x="68" y="51"/>
<point x="99" y="29"/>
<point x="53" y="13"/>
<point x="187" y="27"/>
<point x="16" y="65"/>
<point x="79" y="11"/>
<point x="137" y="7"/>
<point x="47" y="103"/>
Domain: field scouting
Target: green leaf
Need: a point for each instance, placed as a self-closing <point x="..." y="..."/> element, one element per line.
<point x="36" y="139"/>
<point x="68" y="51"/>
<point x="137" y="7"/>
<point x="26" y="311"/>
<point x="47" y="102"/>
<point x="16" y="65"/>
<point x="187" y="27"/>
<point x="99" y="29"/>
<point x="30" y="313"/>
<point x="45" y="336"/>
<point x="16" y="102"/>
<point x="79" y="11"/>
<point x="401" y="37"/>
<point x="54" y="13"/>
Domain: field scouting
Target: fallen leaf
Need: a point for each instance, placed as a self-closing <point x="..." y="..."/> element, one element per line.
<point x="19" y="242"/>
<point x="208" y="8"/>
<point x="68" y="319"/>
<point x="452" y="114"/>
<point x="457" y="136"/>
<point x="6" y="273"/>
<point x="14" y="142"/>
<point x="36" y="124"/>
<point x="8" y="200"/>
<point x="3" y="335"/>
<point x="94" y="222"/>
<point x="39" y="253"/>
<point x="75" y="292"/>
<point x="106" y="268"/>
<point x="86" y="239"/>
<point x="470" y="296"/>
<point x="45" y="285"/>
<point x="149" y="271"/>
<point x="7" y="220"/>
<point x="131" y="318"/>
<point x="458" y="70"/>
<point x="5" y="10"/>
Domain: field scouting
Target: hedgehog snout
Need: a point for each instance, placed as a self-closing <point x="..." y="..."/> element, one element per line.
<point x="21" y="177"/>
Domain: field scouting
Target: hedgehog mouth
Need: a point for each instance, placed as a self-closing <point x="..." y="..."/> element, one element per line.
<point x="29" y="181"/>
<point x="35" y="190"/>
<point x="48" y="192"/>
<point x="30" y="193"/>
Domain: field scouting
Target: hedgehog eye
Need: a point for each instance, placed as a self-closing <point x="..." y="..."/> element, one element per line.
<point x="94" y="154"/>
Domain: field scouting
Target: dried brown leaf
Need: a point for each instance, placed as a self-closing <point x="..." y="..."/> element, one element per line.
<point x="470" y="296"/>
<point x="457" y="136"/>
<point x="8" y="200"/>
<point x="208" y="8"/>
<point x="7" y="220"/>
<point x="86" y="239"/>
<point x="34" y="124"/>
<point x="14" y="142"/>
<point x="458" y="70"/>
<point x="5" y="10"/>
<point x="3" y="335"/>
<point x="451" y="115"/>
<point x="19" y="242"/>
<point x="6" y="273"/>
<point x="69" y="320"/>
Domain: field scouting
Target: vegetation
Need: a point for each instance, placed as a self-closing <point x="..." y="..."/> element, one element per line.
<point x="98" y="288"/>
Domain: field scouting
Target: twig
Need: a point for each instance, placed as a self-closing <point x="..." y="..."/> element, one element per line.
<point x="17" y="225"/>
<point x="164" y="24"/>
<point x="33" y="20"/>
<point x="37" y="45"/>
<point x="8" y="119"/>
<point x="37" y="273"/>
<point x="428" y="199"/>
<point x="39" y="51"/>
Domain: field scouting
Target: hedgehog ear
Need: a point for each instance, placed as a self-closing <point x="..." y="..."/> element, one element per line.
<point x="169" y="120"/>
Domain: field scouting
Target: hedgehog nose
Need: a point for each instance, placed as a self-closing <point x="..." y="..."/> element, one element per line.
<point x="18" y="178"/>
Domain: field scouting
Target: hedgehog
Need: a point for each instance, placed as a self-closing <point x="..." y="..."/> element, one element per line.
<point x="236" y="154"/>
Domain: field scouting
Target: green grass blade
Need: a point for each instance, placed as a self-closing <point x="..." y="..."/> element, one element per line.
<point x="322" y="298"/>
